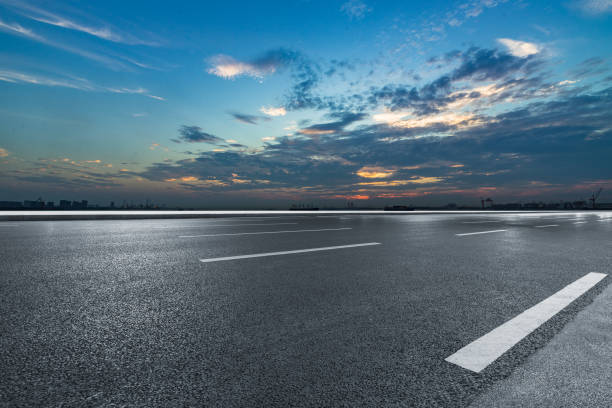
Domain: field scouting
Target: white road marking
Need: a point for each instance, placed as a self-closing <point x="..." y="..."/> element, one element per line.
<point x="546" y="226"/>
<point x="479" y="222"/>
<point x="297" y="251"/>
<point x="580" y="222"/>
<point x="224" y="225"/>
<point x="263" y="232"/>
<point x="605" y="219"/>
<point x="477" y="355"/>
<point x="480" y="232"/>
<point x="9" y="225"/>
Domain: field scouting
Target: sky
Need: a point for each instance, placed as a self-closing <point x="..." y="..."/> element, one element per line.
<point x="242" y="104"/>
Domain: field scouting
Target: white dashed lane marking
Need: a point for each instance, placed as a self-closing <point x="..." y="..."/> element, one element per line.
<point x="477" y="355"/>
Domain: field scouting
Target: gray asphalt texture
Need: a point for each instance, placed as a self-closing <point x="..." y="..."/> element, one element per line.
<point x="123" y="313"/>
<point x="572" y="370"/>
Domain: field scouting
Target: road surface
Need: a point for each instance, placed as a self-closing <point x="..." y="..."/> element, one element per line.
<point x="347" y="310"/>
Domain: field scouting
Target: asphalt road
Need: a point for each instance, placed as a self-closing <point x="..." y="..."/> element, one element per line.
<point x="125" y="313"/>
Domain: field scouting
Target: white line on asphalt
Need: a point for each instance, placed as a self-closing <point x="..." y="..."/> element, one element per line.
<point x="263" y="232"/>
<point x="546" y="226"/>
<point x="297" y="251"/>
<point x="224" y="225"/>
<point x="480" y="232"/>
<point x="580" y="222"/>
<point x="9" y="225"/>
<point x="605" y="219"/>
<point x="477" y="355"/>
<point x="479" y="222"/>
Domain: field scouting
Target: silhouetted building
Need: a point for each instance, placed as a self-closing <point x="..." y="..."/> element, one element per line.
<point x="11" y="205"/>
<point x="507" y="206"/>
<point x="34" y="205"/>
<point x="65" y="205"/>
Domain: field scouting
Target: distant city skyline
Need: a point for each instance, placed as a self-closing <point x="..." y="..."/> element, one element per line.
<point x="262" y="105"/>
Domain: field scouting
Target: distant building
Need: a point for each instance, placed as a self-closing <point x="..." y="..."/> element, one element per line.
<point x="34" y="205"/>
<point x="11" y="205"/>
<point x="65" y="205"/>
<point x="507" y="206"/>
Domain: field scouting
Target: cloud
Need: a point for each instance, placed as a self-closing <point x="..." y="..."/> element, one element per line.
<point x="397" y="183"/>
<point x="18" y="30"/>
<point x="194" y="134"/>
<point x="73" y="83"/>
<point x="507" y="149"/>
<point x="344" y="119"/>
<point x="475" y="65"/>
<point x="46" y="17"/>
<point x="249" y="119"/>
<point x="590" y="67"/>
<point x="355" y="9"/>
<point x="519" y="49"/>
<point x="594" y="7"/>
<point x="400" y="119"/>
<point x="3" y="152"/>
<point x="228" y="67"/>
<point x="272" y="111"/>
<point x="375" y="172"/>
<point x="137" y="91"/>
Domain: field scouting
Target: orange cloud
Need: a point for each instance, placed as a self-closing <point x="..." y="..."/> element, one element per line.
<point x="352" y="197"/>
<point x="316" y="131"/>
<point x="395" y="183"/>
<point x="375" y="172"/>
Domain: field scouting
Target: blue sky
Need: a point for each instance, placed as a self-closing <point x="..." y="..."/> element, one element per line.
<point x="262" y="104"/>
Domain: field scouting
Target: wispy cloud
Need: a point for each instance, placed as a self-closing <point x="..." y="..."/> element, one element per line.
<point x="18" y="30"/>
<point x="519" y="49"/>
<point x="594" y="7"/>
<point x="137" y="91"/>
<point x="355" y="9"/>
<point x="104" y="32"/>
<point x="19" y="77"/>
<point x="80" y="84"/>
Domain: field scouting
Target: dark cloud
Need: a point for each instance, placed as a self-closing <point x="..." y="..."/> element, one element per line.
<point x="249" y="119"/>
<point x="194" y="134"/>
<point x="590" y="67"/>
<point x="564" y="141"/>
<point x="475" y="64"/>
<point x="489" y="64"/>
<point x="343" y="119"/>
<point x="306" y="76"/>
<point x="275" y="59"/>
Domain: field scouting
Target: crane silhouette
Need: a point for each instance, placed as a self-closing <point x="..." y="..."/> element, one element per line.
<point x="594" y="197"/>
